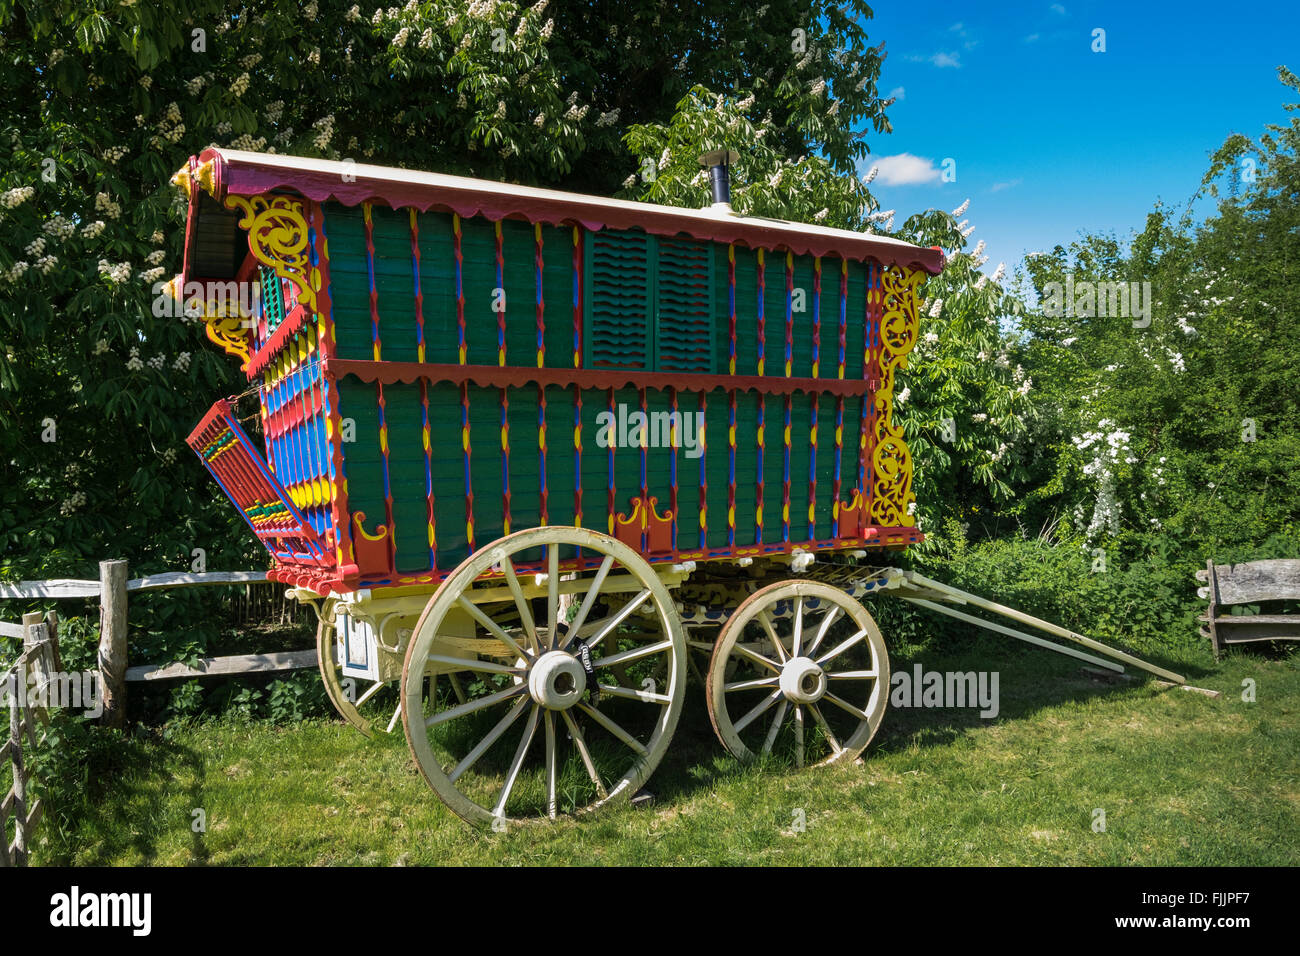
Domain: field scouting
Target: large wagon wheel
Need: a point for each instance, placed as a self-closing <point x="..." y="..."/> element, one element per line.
<point x="799" y="670"/>
<point x="346" y="703"/>
<point x="525" y="671"/>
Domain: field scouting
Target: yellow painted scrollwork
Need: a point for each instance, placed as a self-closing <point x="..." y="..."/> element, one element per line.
<point x="892" y="493"/>
<point x="226" y="328"/>
<point x="278" y="238"/>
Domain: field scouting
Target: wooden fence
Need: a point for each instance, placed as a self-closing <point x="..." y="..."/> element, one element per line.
<point x="35" y="667"/>
<point x="112" y="589"/>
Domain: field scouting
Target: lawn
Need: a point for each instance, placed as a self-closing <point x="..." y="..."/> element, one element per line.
<point x="1182" y="778"/>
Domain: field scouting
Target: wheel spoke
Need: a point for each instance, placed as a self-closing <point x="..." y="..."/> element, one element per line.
<point x="492" y="737"/>
<point x="775" y="729"/>
<point x="853" y="675"/>
<point x="550" y="765"/>
<point x="756" y="657"/>
<point x="464" y="663"/>
<point x="766" y="621"/>
<point x="492" y="627"/>
<point x="613" y="660"/>
<point x="525" y="612"/>
<point x="580" y="742"/>
<point x="620" y="617"/>
<point x="841" y="647"/>
<point x="553" y="598"/>
<point x="750" y="684"/>
<point x="613" y="728"/>
<point x="845" y="705"/>
<point x="758" y="711"/>
<point x="645" y="696"/>
<point x="477" y="704"/>
<point x="825" y="628"/>
<point x="589" y="601"/>
<point x="397" y="714"/>
<point x="826" y="727"/>
<point x="374" y="689"/>
<point x="798" y="625"/>
<point x="529" y="733"/>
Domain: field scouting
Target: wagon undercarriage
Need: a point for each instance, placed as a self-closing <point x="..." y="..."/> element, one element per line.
<point x="530" y="694"/>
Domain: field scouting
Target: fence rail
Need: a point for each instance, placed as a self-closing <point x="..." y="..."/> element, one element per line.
<point x="74" y="588"/>
<point x="112" y="589"/>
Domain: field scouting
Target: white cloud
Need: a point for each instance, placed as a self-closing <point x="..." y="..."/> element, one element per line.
<point x="905" y="169"/>
<point x="897" y="93"/>
<point x="1032" y="38"/>
<point x="1057" y="8"/>
<point x="998" y="187"/>
<point x="940" y="59"/>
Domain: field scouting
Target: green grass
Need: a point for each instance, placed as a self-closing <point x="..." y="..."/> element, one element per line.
<point x="1183" y="779"/>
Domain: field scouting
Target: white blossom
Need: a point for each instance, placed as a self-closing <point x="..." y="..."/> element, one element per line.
<point x="12" y="198"/>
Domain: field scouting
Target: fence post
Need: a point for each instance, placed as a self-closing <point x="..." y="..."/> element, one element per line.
<point x="52" y="631"/>
<point x="112" y="641"/>
<point x="36" y="654"/>
<point x="20" y="783"/>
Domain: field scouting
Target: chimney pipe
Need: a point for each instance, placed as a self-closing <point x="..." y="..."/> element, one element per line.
<point x="718" y="162"/>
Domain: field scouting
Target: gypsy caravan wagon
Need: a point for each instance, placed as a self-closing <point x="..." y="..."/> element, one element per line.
<point x="534" y="456"/>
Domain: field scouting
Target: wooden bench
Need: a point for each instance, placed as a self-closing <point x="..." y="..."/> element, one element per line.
<point x="1231" y="585"/>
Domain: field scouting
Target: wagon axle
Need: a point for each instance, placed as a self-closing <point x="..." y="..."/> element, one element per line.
<point x="557" y="680"/>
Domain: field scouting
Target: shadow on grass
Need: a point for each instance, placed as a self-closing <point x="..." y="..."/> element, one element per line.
<point x="1029" y="681"/>
<point x="110" y="795"/>
<point x="127" y="791"/>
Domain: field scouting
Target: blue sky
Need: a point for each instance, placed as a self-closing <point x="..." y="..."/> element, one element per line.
<point x="1050" y="138"/>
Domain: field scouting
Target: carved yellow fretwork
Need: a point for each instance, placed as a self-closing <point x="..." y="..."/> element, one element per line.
<point x="204" y="174"/>
<point x="892" y="493"/>
<point x="278" y="238"/>
<point x="226" y="328"/>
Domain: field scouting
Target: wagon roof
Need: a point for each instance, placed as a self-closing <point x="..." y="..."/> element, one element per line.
<point x="246" y="174"/>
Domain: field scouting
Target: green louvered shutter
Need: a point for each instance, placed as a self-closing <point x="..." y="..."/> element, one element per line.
<point x="272" y="300"/>
<point x="683" y="294"/>
<point x="618" y="300"/>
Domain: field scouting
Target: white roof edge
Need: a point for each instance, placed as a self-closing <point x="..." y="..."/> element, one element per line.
<point x="465" y="183"/>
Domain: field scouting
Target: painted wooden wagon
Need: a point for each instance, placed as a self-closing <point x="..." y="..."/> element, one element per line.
<point x="528" y="451"/>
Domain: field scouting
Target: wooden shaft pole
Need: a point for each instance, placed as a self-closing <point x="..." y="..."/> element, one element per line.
<point x="1012" y="632"/>
<point x="1045" y="626"/>
<point x="112" y="641"/>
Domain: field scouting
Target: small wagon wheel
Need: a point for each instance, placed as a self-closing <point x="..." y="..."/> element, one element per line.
<point x="346" y="702"/>
<point x="799" y="669"/>
<point x="530" y="674"/>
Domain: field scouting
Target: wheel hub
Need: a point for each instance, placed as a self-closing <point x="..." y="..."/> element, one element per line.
<point x="557" y="680"/>
<point x="802" y="681"/>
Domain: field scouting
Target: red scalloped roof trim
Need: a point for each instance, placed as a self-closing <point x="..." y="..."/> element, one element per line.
<point x="497" y="201"/>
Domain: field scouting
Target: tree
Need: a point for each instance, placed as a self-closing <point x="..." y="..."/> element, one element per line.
<point x="1184" y="428"/>
<point x="580" y="96"/>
